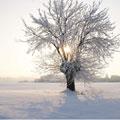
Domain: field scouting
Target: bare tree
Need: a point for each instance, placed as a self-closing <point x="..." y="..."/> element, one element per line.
<point x="80" y="33"/>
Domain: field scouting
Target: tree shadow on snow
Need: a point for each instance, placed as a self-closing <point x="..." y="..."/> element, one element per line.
<point x="74" y="105"/>
<point x="80" y="105"/>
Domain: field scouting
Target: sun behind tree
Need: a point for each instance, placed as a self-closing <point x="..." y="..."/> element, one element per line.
<point x="81" y="34"/>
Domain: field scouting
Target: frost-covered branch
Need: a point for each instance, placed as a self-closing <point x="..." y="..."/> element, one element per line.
<point x="86" y="29"/>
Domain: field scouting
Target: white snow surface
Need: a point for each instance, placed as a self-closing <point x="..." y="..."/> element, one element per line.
<point x="51" y="100"/>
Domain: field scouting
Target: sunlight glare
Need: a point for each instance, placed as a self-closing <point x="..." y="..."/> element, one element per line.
<point x="68" y="52"/>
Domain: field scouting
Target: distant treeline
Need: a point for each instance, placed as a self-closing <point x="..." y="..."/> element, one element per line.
<point x="113" y="78"/>
<point x="50" y="78"/>
<point x="61" y="78"/>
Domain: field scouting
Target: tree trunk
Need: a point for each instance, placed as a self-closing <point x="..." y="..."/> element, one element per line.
<point x="70" y="82"/>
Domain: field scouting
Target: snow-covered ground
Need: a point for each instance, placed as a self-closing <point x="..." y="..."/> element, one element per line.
<point x="51" y="100"/>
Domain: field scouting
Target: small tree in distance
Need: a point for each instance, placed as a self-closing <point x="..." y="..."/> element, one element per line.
<point x="80" y="33"/>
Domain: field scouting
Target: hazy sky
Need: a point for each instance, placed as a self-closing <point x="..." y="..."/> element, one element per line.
<point x="13" y="58"/>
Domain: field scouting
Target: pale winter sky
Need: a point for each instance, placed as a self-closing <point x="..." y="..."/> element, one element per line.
<point x="14" y="62"/>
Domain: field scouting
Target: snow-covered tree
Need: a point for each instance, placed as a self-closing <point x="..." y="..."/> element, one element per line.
<point x="81" y="34"/>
